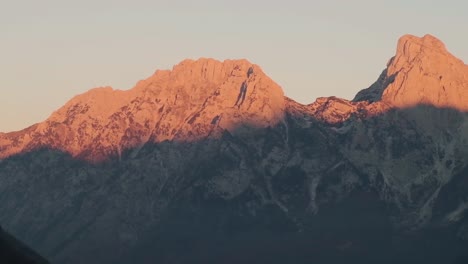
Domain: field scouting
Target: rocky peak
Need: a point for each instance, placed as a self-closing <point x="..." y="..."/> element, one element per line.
<point x="196" y="99"/>
<point x="421" y="72"/>
<point x="205" y="97"/>
<point x="411" y="47"/>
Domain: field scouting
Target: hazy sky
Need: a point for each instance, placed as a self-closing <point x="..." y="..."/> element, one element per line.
<point x="53" y="50"/>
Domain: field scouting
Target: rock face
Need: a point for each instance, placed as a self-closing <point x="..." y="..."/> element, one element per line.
<point x="210" y="163"/>
<point x="422" y="72"/>
<point x="195" y="100"/>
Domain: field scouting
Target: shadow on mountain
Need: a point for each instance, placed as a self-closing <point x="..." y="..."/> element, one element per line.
<point x="13" y="251"/>
<point x="243" y="198"/>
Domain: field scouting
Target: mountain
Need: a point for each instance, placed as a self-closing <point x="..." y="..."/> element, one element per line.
<point x="211" y="163"/>
<point x="422" y="72"/>
<point x="195" y="100"/>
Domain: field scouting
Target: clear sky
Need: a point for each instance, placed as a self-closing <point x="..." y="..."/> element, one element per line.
<point x="51" y="50"/>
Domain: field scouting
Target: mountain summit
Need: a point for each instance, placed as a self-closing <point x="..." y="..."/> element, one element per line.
<point x="194" y="100"/>
<point x="422" y="72"/>
<point x="204" y="98"/>
<point x="210" y="163"/>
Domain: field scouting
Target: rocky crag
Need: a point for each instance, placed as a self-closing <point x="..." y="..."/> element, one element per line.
<point x="210" y="162"/>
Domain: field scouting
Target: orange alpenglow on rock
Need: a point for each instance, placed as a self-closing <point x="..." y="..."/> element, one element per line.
<point x="195" y="100"/>
<point x="422" y="72"/>
<point x="204" y="98"/>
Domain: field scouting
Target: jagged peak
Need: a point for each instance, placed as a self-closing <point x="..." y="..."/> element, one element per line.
<point x="204" y="60"/>
<point x="409" y="43"/>
<point x="205" y="73"/>
<point x="203" y="70"/>
<point x="423" y="71"/>
<point x="194" y="100"/>
<point x="206" y="63"/>
<point x="209" y="68"/>
<point x="413" y="50"/>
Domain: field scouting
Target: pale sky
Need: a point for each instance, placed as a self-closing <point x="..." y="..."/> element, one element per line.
<point x="51" y="50"/>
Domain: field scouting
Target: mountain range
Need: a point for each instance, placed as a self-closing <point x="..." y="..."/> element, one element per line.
<point x="211" y="163"/>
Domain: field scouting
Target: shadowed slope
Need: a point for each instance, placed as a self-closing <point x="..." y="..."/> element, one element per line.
<point x="14" y="252"/>
<point x="237" y="167"/>
<point x="333" y="193"/>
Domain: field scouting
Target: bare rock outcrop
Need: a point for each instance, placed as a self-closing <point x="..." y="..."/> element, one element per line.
<point x="210" y="157"/>
<point x="194" y="100"/>
<point x="422" y="72"/>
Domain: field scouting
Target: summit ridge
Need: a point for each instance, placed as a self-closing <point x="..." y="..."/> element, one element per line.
<point x="205" y="97"/>
<point x="194" y="100"/>
<point x="211" y="157"/>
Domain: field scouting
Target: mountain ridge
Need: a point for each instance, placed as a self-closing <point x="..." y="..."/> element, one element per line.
<point x="406" y="82"/>
<point x="234" y="169"/>
<point x="194" y="100"/>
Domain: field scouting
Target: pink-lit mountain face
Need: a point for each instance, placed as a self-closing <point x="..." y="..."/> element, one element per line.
<point x="195" y="100"/>
<point x="199" y="99"/>
<point x="422" y="72"/>
<point x="209" y="163"/>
